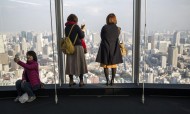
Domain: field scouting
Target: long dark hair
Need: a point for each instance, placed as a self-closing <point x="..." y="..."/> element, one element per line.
<point x="72" y="17"/>
<point x="33" y="54"/>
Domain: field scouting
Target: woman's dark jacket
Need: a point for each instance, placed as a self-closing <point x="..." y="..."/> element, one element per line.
<point x="109" y="51"/>
<point x="76" y="30"/>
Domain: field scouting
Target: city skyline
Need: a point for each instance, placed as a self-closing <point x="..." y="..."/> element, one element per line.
<point x="161" y="48"/>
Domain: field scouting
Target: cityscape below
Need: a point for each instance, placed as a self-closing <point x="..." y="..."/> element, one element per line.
<point x="164" y="57"/>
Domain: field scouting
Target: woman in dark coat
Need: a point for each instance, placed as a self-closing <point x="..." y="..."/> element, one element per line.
<point x="75" y="63"/>
<point x="109" y="53"/>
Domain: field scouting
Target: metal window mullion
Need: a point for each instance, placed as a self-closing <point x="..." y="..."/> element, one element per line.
<point x="136" y="39"/>
<point x="59" y="29"/>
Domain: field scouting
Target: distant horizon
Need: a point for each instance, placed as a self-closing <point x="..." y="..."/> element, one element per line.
<point x="34" y="15"/>
<point x="54" y="32"/>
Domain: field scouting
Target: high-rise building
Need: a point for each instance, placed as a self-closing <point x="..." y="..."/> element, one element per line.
<point x="17" y="48"/>
<point x="150" y="77"/>
<point x="24" y="46"/>
<point x="38" y="43"/>
<point x="2" y="46"/>
<point x="23" y="34"/>
<point x="46" y="50"/>
<point x="151" y="40"/>
<point x="180" y="49"/>
<point x="176" y="39"/>
<point x="87" y="32"/>
<point x="163" y="61"/>
<point x="172" y="55"/>
<point x="95" y="38"/>
<point x="29" y="37"/>
<point x="122" y="37"/>
<point x="149" y="46"/>
<point x="162" y="46"/>
<point x="183" y="40"/>
<point x="45" y="42"/>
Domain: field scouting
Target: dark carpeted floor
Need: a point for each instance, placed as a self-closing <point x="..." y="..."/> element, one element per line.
<point x="99" y="105"/>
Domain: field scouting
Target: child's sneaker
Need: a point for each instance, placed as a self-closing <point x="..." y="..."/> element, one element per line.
<point x="31" y="98"/>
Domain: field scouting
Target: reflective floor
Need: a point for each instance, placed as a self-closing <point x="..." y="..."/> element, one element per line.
<point x="76" y="104"/>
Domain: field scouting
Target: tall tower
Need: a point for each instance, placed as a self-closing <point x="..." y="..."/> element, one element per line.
<point x="172" y="55"/>
<point x="176" y="39"/>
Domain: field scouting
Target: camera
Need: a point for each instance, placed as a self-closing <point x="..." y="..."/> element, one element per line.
<point x="82" y="26"/>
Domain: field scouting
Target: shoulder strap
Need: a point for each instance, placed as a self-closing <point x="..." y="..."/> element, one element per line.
<point x="71" y="30"/>
<point x="70" y="33"/>
<point x="75" y="39"/>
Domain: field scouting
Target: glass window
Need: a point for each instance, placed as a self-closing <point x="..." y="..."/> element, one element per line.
<point x="25" y="25"/>
<point x="165" y="52"/>
<point x="93" y="14"/>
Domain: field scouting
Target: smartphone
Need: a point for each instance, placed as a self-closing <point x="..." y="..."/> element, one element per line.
<point x="17" y="55"/>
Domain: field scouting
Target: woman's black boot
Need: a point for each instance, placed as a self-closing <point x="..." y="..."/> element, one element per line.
<point x="106" y="75"/>
<point x="113" y="76"/>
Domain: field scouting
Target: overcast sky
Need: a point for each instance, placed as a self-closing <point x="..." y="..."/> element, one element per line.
<point x="34" y="15"/>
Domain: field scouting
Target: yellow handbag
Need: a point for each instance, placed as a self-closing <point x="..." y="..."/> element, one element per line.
<point x="123" y="49"/>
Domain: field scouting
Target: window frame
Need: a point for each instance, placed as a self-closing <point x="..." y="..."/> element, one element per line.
<point x="135" y="51"/>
